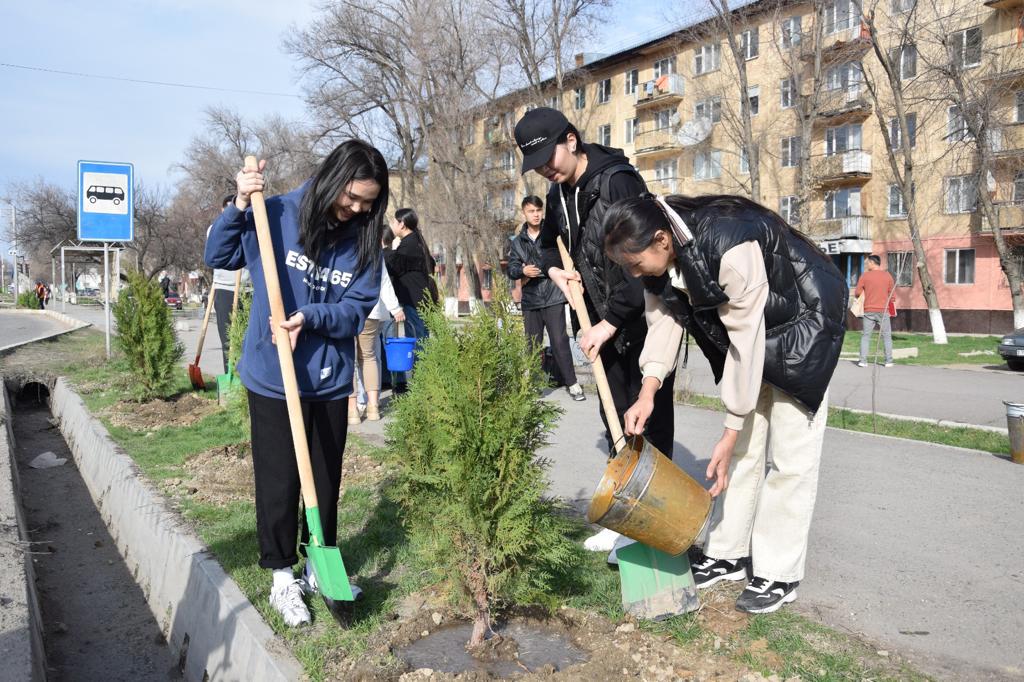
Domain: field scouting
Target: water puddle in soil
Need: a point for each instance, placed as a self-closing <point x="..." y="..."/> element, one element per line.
<point x="96" y="622"/>
<point x="445" y="651"/>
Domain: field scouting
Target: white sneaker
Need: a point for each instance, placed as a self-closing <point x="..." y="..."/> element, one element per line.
<point x="622" y="541"/>
<point x="602" y="542"/>
<point x="890" y="364"/>
<point x="287" y="600"/>
<point x="862" y="364"/>
<point x="576" y="392"/>
<point x="309" y="585"/>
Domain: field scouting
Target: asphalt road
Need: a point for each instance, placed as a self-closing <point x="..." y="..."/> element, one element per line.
<point x="22" y="327"/>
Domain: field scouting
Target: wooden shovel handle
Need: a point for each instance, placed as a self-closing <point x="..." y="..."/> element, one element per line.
<point x="238" y="290"/>
<point x="206" y="322"/>
<point x="603" y="390"/>
<point x="283" y="342"/>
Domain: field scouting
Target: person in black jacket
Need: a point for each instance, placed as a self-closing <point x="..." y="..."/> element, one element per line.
<point x="542" y="303"/>
<point x="585" y="180"/>
<point x="410" y="267"/>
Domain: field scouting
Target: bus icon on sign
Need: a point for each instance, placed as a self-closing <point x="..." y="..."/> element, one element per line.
<point x="101" y="193"/>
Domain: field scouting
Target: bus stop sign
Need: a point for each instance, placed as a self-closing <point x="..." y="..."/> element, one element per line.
<point x="105" y="199"/>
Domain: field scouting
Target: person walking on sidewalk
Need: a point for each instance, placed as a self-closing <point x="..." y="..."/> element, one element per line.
<point x="543" y="304"/>
<point x="224" y="293"/>
<point x="768" y="310"/>
<point x="365" y="400"/>
<point x="327" y="246"/>
<point x="877" y="287"/>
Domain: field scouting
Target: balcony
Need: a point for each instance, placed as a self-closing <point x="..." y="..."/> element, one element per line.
<point x="499" y="136"/>
<point x="667" y="89"/>
<point x="1007" y="144"/>
<point x="845" y="227"/>
<point x="665" y="185"/>
<point x="849" y="103"/>
<point x="841" y="45"/>
<point x="1009" y="216"/>
<point x="1004" y="63"/>
<point x="660" y="141"/>
<point x="845" y="168"/>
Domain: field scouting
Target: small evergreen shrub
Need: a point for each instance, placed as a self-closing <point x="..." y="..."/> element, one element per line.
<point x="464" y="441"/>
<point x="238" y="398"/>
<point x="28" y="299"/>
<point x="145" y="334"/>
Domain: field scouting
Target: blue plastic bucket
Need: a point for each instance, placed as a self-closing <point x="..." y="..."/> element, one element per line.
<point x="399" y="352"/>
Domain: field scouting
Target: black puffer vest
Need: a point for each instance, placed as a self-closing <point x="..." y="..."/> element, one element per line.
<point x="805" y="314"/>
<point x="600" y="275"/>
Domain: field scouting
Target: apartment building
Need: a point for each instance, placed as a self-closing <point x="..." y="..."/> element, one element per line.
<point x="673" y="105"/>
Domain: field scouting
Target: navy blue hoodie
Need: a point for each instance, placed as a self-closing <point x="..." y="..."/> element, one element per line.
<point x="334" y="296"/>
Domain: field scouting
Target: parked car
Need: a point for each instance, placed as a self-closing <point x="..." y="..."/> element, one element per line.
<point x="1011" y="348"/>
<point x="173" y="300"/>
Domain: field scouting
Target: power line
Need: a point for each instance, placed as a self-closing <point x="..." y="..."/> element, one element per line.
<point x="147" y="82"/>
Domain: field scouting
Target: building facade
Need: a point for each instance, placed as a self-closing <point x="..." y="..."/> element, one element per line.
<point x="827" y="144"/>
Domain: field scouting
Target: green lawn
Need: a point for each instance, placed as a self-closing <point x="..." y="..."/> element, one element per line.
<point x="928" y="353"/>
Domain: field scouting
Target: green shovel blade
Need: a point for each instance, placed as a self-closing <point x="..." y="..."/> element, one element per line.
<point x="328" y="567"/>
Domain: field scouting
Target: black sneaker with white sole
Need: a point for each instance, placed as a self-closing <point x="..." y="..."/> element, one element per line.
<point x="765" y="596"/>
<point x="708" y="570"/>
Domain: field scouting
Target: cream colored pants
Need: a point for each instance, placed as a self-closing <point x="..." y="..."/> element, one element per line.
<point x="765" y="513"/>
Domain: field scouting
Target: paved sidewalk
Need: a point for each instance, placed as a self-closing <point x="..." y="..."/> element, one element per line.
<point x="20" y="327"/>
<point x="914" y="546"/>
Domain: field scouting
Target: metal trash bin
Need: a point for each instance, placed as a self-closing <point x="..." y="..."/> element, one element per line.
<point x="1015" y="426"/>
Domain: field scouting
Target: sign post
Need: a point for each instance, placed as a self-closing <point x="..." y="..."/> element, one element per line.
<point x="105" y="201"/>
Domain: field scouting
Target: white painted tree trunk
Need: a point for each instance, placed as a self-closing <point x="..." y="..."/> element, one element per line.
<point x="938" y="327"/>
<point x="1018" y="319"/>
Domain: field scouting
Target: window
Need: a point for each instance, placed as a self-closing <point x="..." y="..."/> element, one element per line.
<point x="487" y="279"/>
<point x="842" y="139"/>
<point x="787" y="93"/>
<point x="897" y="208"/>
<point x="1018" y="109"/>
<point x="790" y="152"/>
<point x="604" y="91"/>
<point x="843" y="76"/>
<point x="744" y="162"/>
<point x="470" y="135"/>
<point x="904" y="59"/>
<point x="842" y="203"/>
<point x="632" y="80"/>
<point x="554" y="102"/>
<point x="899" y="6"/>
<point x="959" y="266"/>
<point x="1018" y="188"/>
<point x="508" y="160"/>
<point x="663" y="118"/>
<point x="753" y="97"/>
<point x="896" y="136"/>
<point x="664" y="67"/>
<point x="665" y="171"/>
<point x="956" y="125"/>
<point x="508" y="200"/>
<point x="961" y="194"/>
<point x="710" y="108"/>
<point x="629" y="133"/>
<point x="707" y="165"/>
<point x="841" y="15"/>
<point x="965" y="47"/>
<point x="604" y="135"/>
<point x="749" y="43"/>
<point x="789" y="209"/>
<point x="581" y="98"/>
<point x="900" y="265"/>
<point x="707" y="58"/>
<point x="790" y="30"/>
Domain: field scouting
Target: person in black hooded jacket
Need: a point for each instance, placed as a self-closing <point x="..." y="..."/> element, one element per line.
<point x="585" y="180"/>
<point x="542" y="303"/>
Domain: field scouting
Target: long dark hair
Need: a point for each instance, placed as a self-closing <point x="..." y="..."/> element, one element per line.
<point x="408" y="217"/>
<point x="350" y="161"/>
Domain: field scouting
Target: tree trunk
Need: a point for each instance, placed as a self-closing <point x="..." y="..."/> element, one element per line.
<point x="482" y="622"/>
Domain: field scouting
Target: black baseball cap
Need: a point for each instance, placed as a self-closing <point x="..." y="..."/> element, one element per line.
<point x="537" y="134"/>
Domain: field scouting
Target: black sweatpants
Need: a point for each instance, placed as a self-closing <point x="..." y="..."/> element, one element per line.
<point x="625" y="380"/>
<point x="553" y="319"/>
<point x="222" y="300"/>
<point x="277" y="474"/>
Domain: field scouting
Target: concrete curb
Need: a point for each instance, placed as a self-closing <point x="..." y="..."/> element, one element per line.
<point x="208" y="622"/>
<point x="73" y="325"/>
<point x="21" y="632"/>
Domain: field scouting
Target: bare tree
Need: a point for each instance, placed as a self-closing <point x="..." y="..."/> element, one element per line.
<point x="890" y="96"/>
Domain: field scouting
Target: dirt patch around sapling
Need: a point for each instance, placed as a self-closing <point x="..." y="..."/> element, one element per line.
<point x="184" y="409"/>
<point x="220" y="475"/>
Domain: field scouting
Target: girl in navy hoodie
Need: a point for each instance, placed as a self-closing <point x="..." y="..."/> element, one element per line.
<point x="326" y="237"/>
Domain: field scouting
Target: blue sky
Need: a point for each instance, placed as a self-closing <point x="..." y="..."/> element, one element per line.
<point x="49" y="121"/>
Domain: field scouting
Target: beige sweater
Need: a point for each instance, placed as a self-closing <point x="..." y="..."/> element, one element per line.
<point x="743" y="278"/>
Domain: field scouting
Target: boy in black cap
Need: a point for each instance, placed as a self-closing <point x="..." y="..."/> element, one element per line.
<point x="585" y="180"/>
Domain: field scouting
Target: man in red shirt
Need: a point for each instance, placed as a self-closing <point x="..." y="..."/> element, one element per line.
<point x="876" y="285"/>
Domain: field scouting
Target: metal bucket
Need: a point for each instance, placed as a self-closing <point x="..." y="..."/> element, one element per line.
<point x="646" y="497"/>
<point x="1015" y="426"/>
